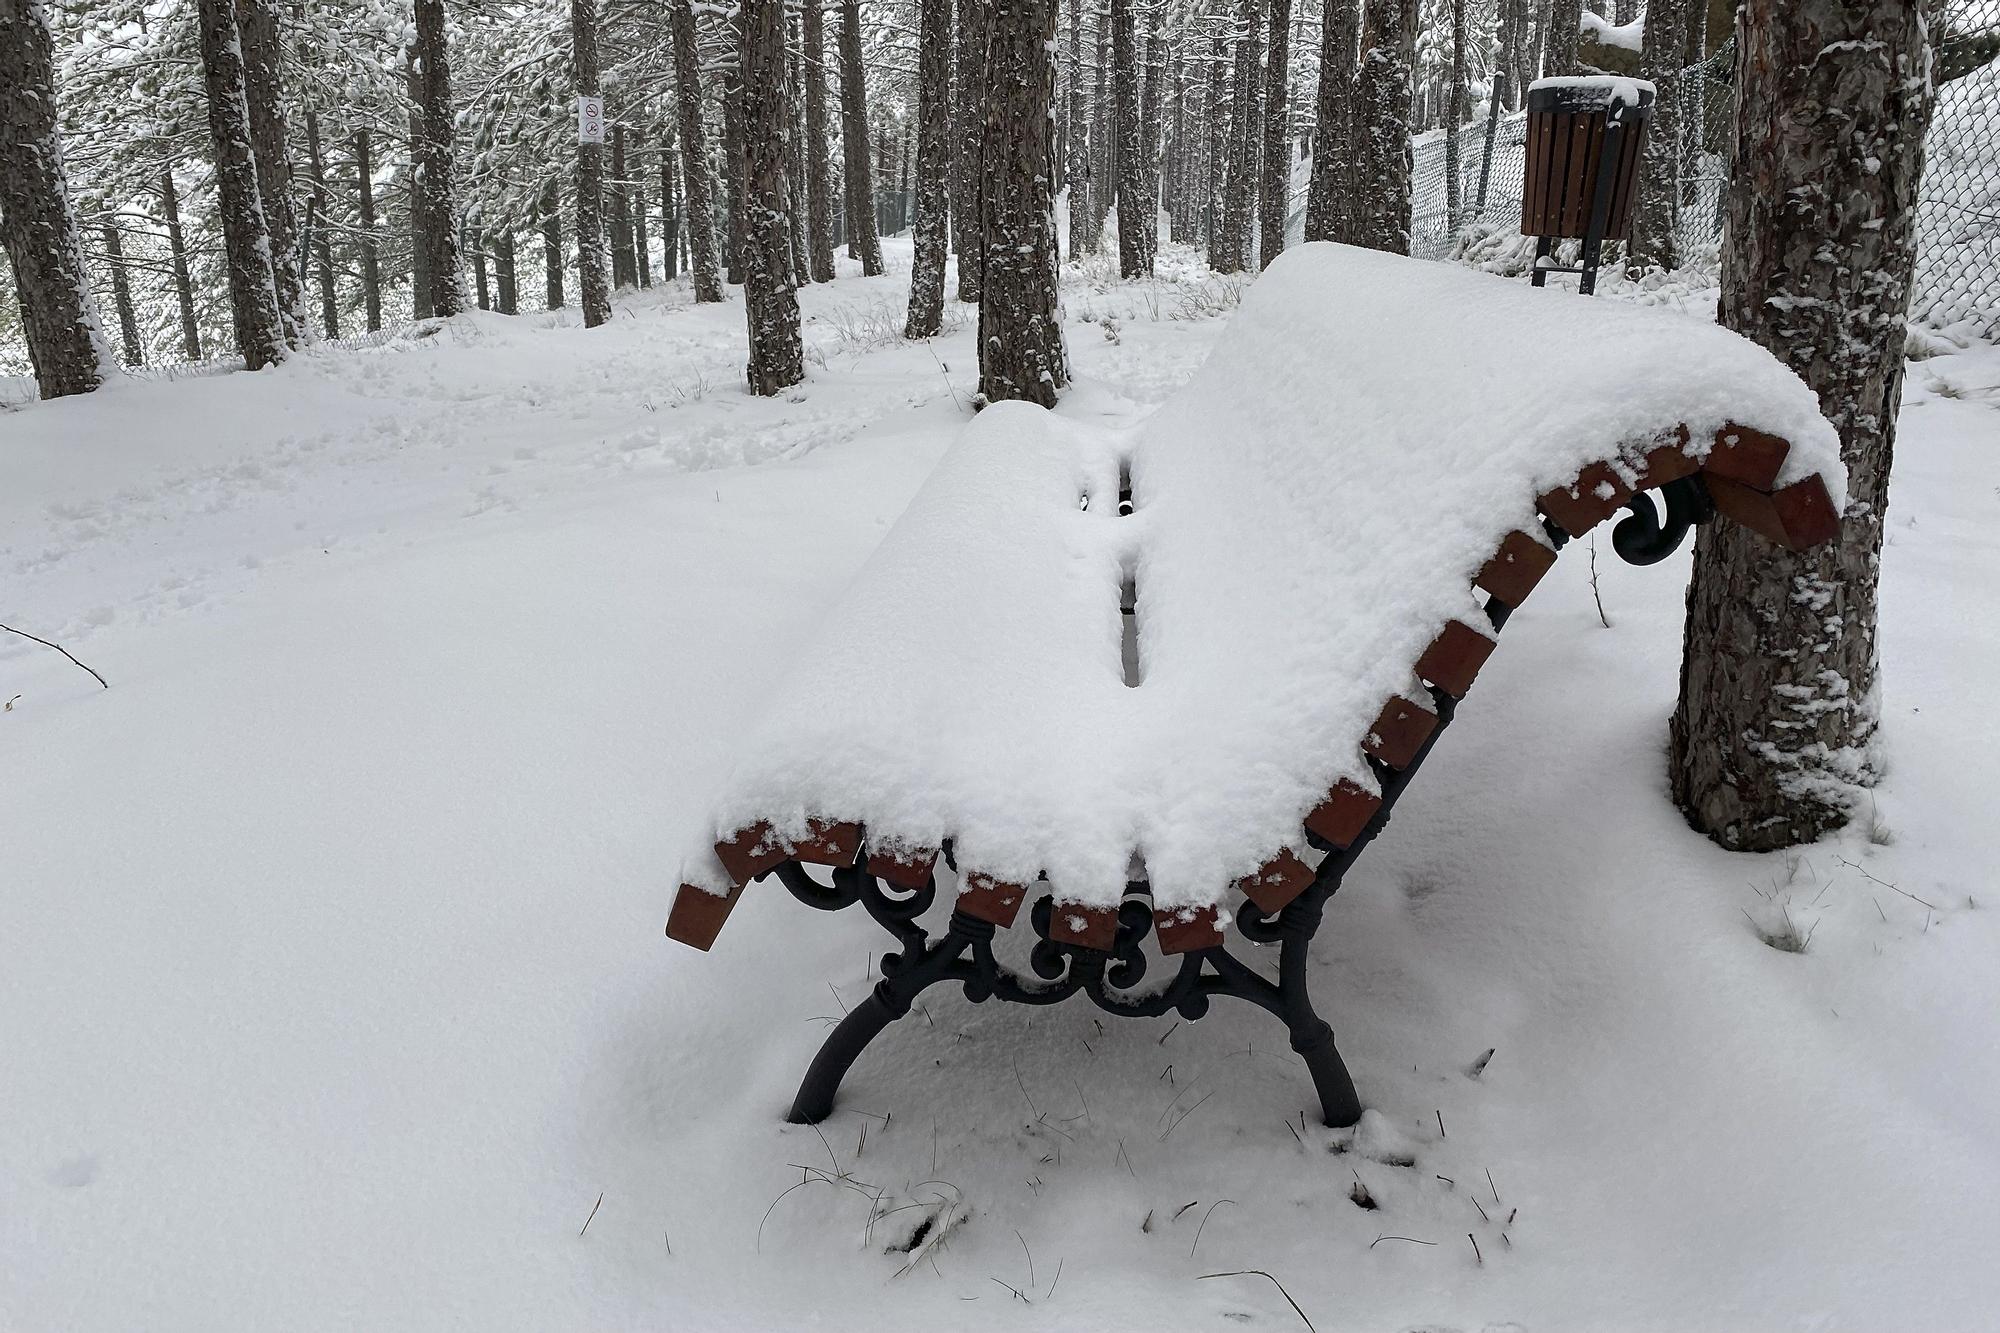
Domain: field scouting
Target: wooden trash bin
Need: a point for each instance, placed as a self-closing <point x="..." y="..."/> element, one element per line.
<point x="1584" y="140"/>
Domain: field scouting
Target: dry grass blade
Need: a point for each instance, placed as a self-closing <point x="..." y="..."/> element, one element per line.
<point x="1258" y="1272"/>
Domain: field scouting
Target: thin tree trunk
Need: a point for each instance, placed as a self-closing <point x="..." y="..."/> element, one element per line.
<point x="974" y="21"/>
<point x="1231" y="252"/>
<point x="635" y="186"/>
<point x="170" y="208"/>
<point x="1652" y="242"/>
<point x="1330" y="197"/>
<point x="670" y="204"/>
<point x="926" y="315"/>
<point x="1382" y="121"/>
<point x="1077" y="145"/>
<point x="1020" y="323"/>
<point x="482" y="285"/>
<point x="319" y="214"/>
<point x="130" y="347"/>
<point x="422" y="304"/>
<point x="1454" y="117"/>
<point x="504" y="271"/>
<point x="694" y="155"/>
<point x="591" y="278"/>
<point x="619" y="206"/>
<point x="819" y="207"/>
<point x="433" y="161"/>
<point x="552" y="246"/>
<point x="1149" y="135"/>
<point x="1133" y="260"/>
<point x="371" y="255"/>
<point x="795" y="157"/>
<point x="1274" y="194"/>
<point x="263" y="64"/>
<point x="1103" y="135"/>
<point x="736" y="229"/>
<point x="1775" y="730"/>
<point x="854" y="140"/>
<point x="1214" y="161"/>
<point x="253" y="294"/>
<point x="770" y="304"/>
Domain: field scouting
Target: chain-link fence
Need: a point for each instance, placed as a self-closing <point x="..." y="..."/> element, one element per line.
<point x="1958" y="211"/>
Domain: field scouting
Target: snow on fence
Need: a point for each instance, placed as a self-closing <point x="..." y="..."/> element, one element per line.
<point x="1958" y="210"/>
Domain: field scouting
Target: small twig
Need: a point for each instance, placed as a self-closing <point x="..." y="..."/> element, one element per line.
<point x="1412" y="1239"/>
<point x="59" y="648"/>
<point x="1193" y="1203"/>
<point x="1597" y="596"/>
<point x="1258" y="1272"/>
<point x="1295" y="1133"/>
<point x="593" y="1213"/>
<point x="1204" y="1222"/>
<point x="1031" y="1256"/>
<point x="1843" y="860"/>
<point x="1052" y="1281"/>
<point x="1168" y="1033"/>
<point x="1482" y="1211"/>
<point x="1440" y="1116"/>
<point x="1475" y="1249"/>
<point x="1495" y="1188"/>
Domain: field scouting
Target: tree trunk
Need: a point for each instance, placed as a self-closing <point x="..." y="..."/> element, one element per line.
<point x="974" y="23"/>
<point x="504" y="271"/>
<point x="1215" y="160"/>
<point x="854" y="140"/>
<point x="795" y="156"/>
<point x="170" y="208"/>
<point x="371" y="257"/>
<point x="422" y="304"/>
<point x="552" y="246"/>
<point x="591" y="278"/>
<point x="1150" y="119"/>
<point x="1454" y="117"/>
<point x="1020" y="322"/>
<point x="263" y="73"/>
<point x="1230" y="254"/>
<point x="1382" y="122"/>
<point x="819" y="206"/>
<point x="319" y="213"/>
<point x="1133" y="259"/>
<point x="670" y="204"/>
<point x="1274" y="193"/>
<point x="1330" y="196"/>
<point x="1077" y="146"/>
<point x="130" y="347"/>
<point x="635" y="189"/>
<point x="770" y="304"/>
<point x="482" y="285"/>
<point x="618" y="204"/>
<point x="1652" y="241"/>
<point x="253" y="294"/>
<point x="926" y="316"/>
<point x="1775" y="729"/>
<point x="432" y="161"/>
<point x="1103" y="135"/>
<point x="694" y="156"/>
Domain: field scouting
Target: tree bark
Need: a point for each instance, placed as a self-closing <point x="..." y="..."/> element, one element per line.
<point x="1103" y="135"/>
<point x="1382" y="114"/>
<point x="1077" y="145"/>
<point x="1775" y="730"/>
<point x="635" y="187"/>
<point x="591" y="279"/>
<point x="432" y="161"/>
<point x="736" y="220"/>
<point x="1020" y="323"/>
<point x="1652" y="242"/>
<point x="66" y="344"/>
<point x="819" y="206"/>
<point x="1133" y="212"/>
<point x="131" y="348"/>
<point x="1230" y="254"/>
<point x="253" y="293"/>
<point x="1274" y="193"/>
<point x="1150" y="119"/>
<point x="263" y="84"/>
<point x="854" y="140"/>
<point x="618" y="201"/>
<point x="670" y="204"/>
<point x="482" y="284"/>
<point x="1215" y="160"/>
<point x="552" y="245"/>
<point x="926" y="315"/>
<point x="170" y="209"/>
<point x="795" y="157"/>
<point x="1330" y="195"/>
<point x="694" y="155"/>
<point x="505" y="273"/>
<point x="371" y="256"/>
<point x="1454" y="118"/>
<point x="770" y="304"/>
<point x="319" y="225"/>
<point x="974" y="24"/>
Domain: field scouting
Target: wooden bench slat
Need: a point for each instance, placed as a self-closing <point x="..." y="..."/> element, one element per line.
<point x="697" y="915"/>
<point x="1186" y="929"/>
<point x="1400" y="730"/>
<point x="1278" y="881"/>
<point x="1087" y="927"/>
<point x="903" y="867"/>
<point x="1340" y="818"/>
<point x="1455" y="657"/>
<point x="990" y="900"/>
<point x="1799" y="517"/>
<point x="1515" y="568"/>
<point x="1750" y="457"/>
<point x="1595" y="495"/>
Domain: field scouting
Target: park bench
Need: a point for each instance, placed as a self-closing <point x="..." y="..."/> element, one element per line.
<point x="1159" y="685"/>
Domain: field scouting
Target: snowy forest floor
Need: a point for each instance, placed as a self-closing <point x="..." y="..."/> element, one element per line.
<point x="333" y="992"/>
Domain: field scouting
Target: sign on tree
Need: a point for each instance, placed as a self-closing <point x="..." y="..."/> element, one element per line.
<point x="590" y="120"/>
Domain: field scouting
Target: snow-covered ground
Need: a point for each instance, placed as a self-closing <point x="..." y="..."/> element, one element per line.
<point x="333" y="993"/>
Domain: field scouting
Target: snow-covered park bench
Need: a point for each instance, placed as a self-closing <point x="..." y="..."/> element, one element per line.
<point x="1192" y="711"/>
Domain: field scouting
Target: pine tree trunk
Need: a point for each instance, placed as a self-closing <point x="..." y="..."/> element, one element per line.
<point x="1274" y="193"/>
<point x="130" y="348"/>
<point x="795" y="157"/>
<point x="1652" y="242"/>
<point x="1149" y="135"/>
<point x="926" y="316"/>
<point x="433" y="161"/>
<point x="1133" y="260"/>
<point x="263" y="65"/>
<point x="319" y="212"/>
<point x="1230" y="254"/>
<point x="972" y="29"/>
<point x="1077" y="147"/>
<point x="1215" y="161"/>
<point x="1103" y="135"/>
<point x="422" y="303"/>
<point x="770" y="304"/>
<point x="1454" y="117"/>
<point x="1775" y="729"/>
<point x="253" y="294"/>
<point x="552" y="246"/>
<point x="1020" y="321"/>
<point x="735" y="232"/>
<point x="618" y="207"/>
<point x="170" y="209"/>
<point x="819" y="205"/>
<point x="670" y="206"/>
<point x="482" y="285"/>
<point x="1382" y="122"/>
<point x="694" y="156"/>
<point x="1330" y="196"/>
<point x="854" y="140"/>
<point x="590" y="250"/>
<point x="635" y="187"/>
<point x="371" y="255"/>
<point x="505" y="274"/>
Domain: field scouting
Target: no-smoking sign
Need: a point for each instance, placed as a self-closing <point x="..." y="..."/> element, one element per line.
<point x="590" y="120"/>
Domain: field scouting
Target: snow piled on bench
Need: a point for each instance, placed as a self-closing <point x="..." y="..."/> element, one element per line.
<point x="1310" y="512"/>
